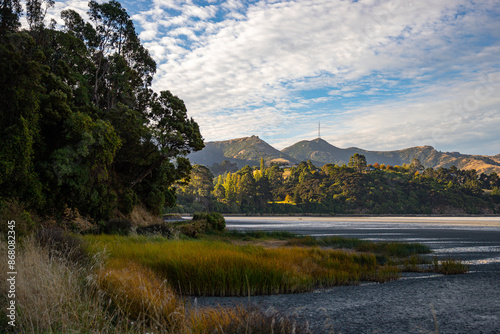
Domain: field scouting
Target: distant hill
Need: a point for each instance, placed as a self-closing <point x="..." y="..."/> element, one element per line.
<point x="243" y="151"/>
<point x="321" y="152"/>
<point x="249" y="150"/>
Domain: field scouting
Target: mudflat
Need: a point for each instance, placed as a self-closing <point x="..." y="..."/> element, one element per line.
<point x="417" y="303"/>
<point x="434" y="220"/>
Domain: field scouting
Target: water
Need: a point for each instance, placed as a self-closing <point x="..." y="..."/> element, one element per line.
<point x="467" y="303"/>
<point x="473" y="239"/>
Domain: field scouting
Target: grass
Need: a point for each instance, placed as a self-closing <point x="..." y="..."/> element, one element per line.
<point x="396" y="249"/>
<point x="450" y="267"/>
<point x="135" y="288"/>
<point x="216" y="268"/>
<point x="56" y="295"/>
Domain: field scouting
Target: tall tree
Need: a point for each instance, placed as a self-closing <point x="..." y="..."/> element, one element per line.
<point x="358" y="162"/>
<point x="10" y="11"/>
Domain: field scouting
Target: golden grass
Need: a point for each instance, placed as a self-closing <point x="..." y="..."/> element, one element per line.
<point x="53" y="296"/>
<point x="221" y="269"/>
<point x="57" y="296"/>
<point x="137" y="292"/>
<point x="142" y="217"/>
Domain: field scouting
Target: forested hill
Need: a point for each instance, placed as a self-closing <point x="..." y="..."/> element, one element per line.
<point x="242" y="151"/>
<point x="249" y="150"/>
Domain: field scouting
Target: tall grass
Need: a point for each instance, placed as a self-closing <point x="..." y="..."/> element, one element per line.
<point x="450" y="267"/>
<point x="397" y="249"/>
<point x="55" y="295"/>
<point x="216" y="268"/>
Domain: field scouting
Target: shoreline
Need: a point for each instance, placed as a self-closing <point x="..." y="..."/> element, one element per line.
<point x="490" y="221"/>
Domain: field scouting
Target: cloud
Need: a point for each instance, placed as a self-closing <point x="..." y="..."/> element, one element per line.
<point x="379" y="74"/>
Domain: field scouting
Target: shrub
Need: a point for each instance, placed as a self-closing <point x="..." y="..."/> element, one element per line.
<point x="12" y="210"/>
<point x="163" y="229"/>
<point x="62" y="244"/>
<point x="117" y="226"/>
<point x="214" y="220"/>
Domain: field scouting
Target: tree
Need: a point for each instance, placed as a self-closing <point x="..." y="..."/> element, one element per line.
<point x="358" y="162"/>
<point x="10" y="10"/>
<point x="80" y="126"/>
<point x="36" y="11"/>
<point x="416" y="166"/>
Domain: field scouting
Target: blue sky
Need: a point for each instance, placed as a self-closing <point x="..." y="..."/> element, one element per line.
<point x="379" y="75"/>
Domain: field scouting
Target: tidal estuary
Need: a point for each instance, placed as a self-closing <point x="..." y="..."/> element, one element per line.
<point x="417" y="303"/>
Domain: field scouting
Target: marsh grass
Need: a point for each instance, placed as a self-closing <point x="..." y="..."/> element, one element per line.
<point x="396" y="249"/>
<point x="216" y="268"/>
<point x="450" y="267"/>
<point x="56" y="295"/>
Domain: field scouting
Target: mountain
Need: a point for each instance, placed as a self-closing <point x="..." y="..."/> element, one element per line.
<point x="321" y="152"/>
<point x="249" y="150"/>
<point x="243" y="151"/>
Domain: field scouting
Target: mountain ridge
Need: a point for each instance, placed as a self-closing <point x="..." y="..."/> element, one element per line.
<point x="249" y="151"/>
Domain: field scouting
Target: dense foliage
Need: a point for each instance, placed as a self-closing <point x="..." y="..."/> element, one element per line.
<point x="80" y="126"/>
<point x="333" y="189"/>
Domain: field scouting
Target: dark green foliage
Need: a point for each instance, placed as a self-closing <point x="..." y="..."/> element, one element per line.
<point x="117" y="226"/>
<point x="163" y="229"/>
<point x="337" y="189"/>
<point x="80" y="126"/>
<point x="11" y="210"/>
<point x="10" y="10"/>
<point x="214" y="220"/>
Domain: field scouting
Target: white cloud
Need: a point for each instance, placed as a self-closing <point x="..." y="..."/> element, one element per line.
<point x="245" y="68"/>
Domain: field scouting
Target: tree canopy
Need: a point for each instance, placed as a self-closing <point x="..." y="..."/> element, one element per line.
<point x="80" y="126"/>
<point x="337" y="189"/>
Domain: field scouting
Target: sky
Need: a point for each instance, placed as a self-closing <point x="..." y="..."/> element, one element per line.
<point x="379" y="75"/>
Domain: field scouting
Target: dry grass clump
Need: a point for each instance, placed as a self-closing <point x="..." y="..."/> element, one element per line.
<point x="52" y="295"/>
<point x="244" y="320"/>
<point x="221" y="269"/>
<point x="138" y="293"/>
<point x="142" y="217"/>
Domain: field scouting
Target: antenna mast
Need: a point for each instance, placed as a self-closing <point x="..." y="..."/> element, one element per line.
<point x="319" y="129"/>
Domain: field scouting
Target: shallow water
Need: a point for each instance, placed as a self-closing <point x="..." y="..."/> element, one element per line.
<point x="468" y="303"/>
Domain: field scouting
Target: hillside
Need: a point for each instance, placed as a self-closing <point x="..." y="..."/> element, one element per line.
<point x="321" y="152"/>
<point x="249" y="150"/>
<point x="243" y="151"/>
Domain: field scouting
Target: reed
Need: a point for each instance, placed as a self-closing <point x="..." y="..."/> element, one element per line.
<point x="216" y="268"/>
<point x="397" y="249"/>
<point x="56" y="295"/>
<point x="450" y="267"/>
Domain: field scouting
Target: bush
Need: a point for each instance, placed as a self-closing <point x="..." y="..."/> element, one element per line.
<point x="62" y="244"/>
<point x="214" y="220"/>
<point x="163" y="229"/>
<point x="12" y="210"/>
<point x="118" y="226"/>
